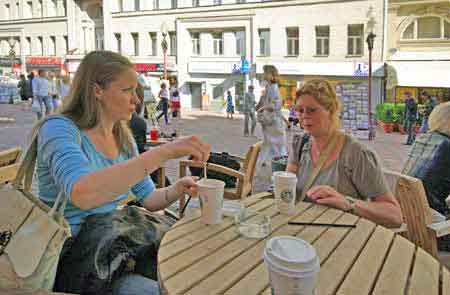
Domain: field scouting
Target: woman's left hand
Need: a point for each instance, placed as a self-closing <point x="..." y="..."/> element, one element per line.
<point x="186" y="185"/>
<point x="326" y="195"/>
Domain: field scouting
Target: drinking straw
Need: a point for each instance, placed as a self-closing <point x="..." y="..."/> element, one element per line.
<point x="321" y="224"/>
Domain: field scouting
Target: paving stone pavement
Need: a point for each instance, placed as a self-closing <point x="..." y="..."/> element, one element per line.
<point x="223" y="134"/>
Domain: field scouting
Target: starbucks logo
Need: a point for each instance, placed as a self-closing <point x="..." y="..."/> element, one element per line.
<point x="287" y="196"/>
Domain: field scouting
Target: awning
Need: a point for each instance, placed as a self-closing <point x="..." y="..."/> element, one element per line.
<point x="419" y="73"/>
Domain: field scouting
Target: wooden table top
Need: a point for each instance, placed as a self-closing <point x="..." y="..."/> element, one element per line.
<point x="368" y="259"/>
<point x="157" y="142"/>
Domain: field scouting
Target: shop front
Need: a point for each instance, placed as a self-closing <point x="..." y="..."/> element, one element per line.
<point x="49" y="64"/>
<point x="7" y="65"/>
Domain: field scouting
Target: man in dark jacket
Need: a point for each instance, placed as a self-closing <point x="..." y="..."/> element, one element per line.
<point x="410" y="117"/>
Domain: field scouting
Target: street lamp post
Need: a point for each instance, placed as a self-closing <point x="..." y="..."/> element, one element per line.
<point x="164" y="31"/>
<point x="370" y="26"/>
<point x="12" y="52"/>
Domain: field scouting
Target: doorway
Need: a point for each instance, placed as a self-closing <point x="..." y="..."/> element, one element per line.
<point x="196" y="95"/>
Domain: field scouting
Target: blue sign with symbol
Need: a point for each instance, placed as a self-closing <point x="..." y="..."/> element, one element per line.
<point x="245" y="66"/>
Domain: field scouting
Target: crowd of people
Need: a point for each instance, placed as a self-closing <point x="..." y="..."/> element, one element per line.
<point x="93" y="151"/>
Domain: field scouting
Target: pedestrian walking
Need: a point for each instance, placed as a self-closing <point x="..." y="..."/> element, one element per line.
<point x="163" y="104"/>
<point x="175" y="103"/>
<point x="293" y="117"/>
<point x="230" y="105"/>
<point x="64" y="87"/>
<point x="430" y="102"/>
<point x="53" y="91"/>
<point x="249" y="111"/>
<point x="24" y="88"/>
<point x="410" y="117"/>
<point x="271" y="119"/>
<point x="40" y="88"/>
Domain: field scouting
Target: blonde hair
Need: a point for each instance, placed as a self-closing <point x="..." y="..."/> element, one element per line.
<point x="439" y="119"/>
<point x="273" y="71"/>
<point x="325" y="95"/>
<point x="82" y="107"/>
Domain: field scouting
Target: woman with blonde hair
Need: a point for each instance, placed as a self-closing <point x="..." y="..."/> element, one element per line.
<point x="88" y="153"/>
<point x="429" y="160"/>
<point x="271" y="119"/>
<point x="334" y="169"/>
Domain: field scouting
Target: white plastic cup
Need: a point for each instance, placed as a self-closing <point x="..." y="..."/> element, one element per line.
<point x="285" y="189"/>
<point x="293" y="266"/>
<point x="211" y="200"/>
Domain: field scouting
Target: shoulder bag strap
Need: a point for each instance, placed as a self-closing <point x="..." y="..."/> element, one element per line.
<point x="315" y="172"/>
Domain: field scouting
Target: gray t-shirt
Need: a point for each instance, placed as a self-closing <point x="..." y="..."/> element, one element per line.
<point x="357" y="172"/>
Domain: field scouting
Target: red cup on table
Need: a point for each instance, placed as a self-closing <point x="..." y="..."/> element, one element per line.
<point x="153" y="134"/>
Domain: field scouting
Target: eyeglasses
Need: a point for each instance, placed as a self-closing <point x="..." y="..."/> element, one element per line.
<point x="307" y="110"/>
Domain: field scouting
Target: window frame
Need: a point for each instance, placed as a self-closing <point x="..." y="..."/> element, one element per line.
<point x="325" y="50"/>
<point x="355" y="40"/>
<point x="267" y="42"/>
<point x="294" y="40"/>
<point x="118" y="38"/>
<point x="443" y="22"/>
<point x="153" y="43"/>
<point x="135" y="37"/>
<point x="173" y="43"/>
<point x="218" y="44"/>
<point x="196" y="45"/>
<point x="240" y="43"/>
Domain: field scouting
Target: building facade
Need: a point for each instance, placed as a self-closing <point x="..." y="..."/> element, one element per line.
<point x="208" y="40"/>
<point x="418" y="49"/>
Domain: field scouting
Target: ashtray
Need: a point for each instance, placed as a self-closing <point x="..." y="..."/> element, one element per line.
<point x="252" y="225"/>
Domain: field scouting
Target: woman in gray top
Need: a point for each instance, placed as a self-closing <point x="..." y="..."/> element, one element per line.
<point x="351" y="178"/>
<point x="271" y="119"/>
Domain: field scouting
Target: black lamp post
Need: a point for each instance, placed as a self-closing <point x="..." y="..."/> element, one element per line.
<point x="12" y="52"/>
<point x="164" y="45"/>
<point x="370" y="26"/>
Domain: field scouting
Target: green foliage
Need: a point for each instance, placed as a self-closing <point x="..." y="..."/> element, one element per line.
<point x="390" y="112"/>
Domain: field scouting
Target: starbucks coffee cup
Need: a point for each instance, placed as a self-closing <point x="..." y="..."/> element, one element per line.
<point x="293" y="266"/>
<point x="211" y="200"/>
<point x="285" y="188"/>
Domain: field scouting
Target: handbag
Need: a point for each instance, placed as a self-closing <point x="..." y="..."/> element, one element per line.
<point x="35" y="232"/>
<point x="266" y="118"/>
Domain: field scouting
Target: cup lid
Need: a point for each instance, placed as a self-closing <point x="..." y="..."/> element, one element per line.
<point x="291" y="254"/>
<point x="284" y="174"/>
<point x="210" y="183"/>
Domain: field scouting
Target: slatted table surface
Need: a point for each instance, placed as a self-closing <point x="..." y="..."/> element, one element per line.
<point x="368" y="259"/>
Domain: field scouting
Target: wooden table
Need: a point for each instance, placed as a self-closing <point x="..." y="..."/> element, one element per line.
<point x="157" y="142"/>
<point x="369" y="259"/>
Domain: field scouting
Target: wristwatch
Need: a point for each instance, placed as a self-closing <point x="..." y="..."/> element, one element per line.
<point x="352" y="202"/>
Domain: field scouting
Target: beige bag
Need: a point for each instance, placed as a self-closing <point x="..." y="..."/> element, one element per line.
<point x="30" y="258"/>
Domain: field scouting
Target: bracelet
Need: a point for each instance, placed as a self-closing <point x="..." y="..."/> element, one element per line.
<point x="352" y="202"/>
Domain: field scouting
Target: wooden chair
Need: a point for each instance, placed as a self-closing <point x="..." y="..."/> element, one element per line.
<point x="9" y="164"/>
<point x="417" y="213"/>
<point x="10" y="156"/>
<point x="244" y="176"/>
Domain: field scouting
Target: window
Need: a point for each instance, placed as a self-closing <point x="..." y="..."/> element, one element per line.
<point x="154" y="43"/>
<point x="292" y="41"/>
<point x="137" y="5"/>
<point x="409" y="32"/>
<point x="27" y="46"/>
<point x="66" y="44"/>
<point x="28" y="10"/>
<point x="195" y="38"/>
<point x="85" y="39"/>
<point x="240" y="43"/>
<point x="174" y="3"/>
<point x="99" y="39"/>
<point x="241" y="1"/>
<point x="52" y="11"/>
<point x="264" y="42"/>
<point x="173" y="43"/>
<point x="322" y="40"/>
<point x="446" y="30"/>
<point x="118" y="42"/>
<point x="218" y="91"/>
<point x="40" y="45"/>
<point x="119" y="5"/>
<point x="218" y="43"/>
<point x="355" y="39"/>
<point x="156" y="4"/>
<point x="7" y="11"/>
<point x="40" y="9"/>
<point x="195" y="3"/>
<point x="17" y="10"/>
<point x="217" y="2"/>
<point x="135" y="37"/>
<point x="429" y="28"/>
<point x="52" y="47"/>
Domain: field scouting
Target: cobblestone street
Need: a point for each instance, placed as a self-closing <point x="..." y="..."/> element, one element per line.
<point x="223" y="135"/>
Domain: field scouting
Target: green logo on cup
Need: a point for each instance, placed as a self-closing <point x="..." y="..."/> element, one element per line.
<point x="287" y="196"/>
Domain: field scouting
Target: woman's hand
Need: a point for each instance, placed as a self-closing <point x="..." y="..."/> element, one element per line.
<point x="187" y="146"/>
<point x="326" y="195"/>
<point x="186" y="185"/>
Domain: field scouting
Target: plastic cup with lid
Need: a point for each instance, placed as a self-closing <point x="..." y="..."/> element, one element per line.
<point x="285" y="190"/>
<point x="211" y="200"/>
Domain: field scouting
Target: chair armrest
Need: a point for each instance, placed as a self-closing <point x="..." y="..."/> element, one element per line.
<point x="190" y="163"/>
<point x="225" y="170"/>
<point x="440" y="228"/>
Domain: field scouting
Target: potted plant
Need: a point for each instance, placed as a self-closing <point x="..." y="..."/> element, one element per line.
<point x="388" y="120"/>
<point x="399" y="111"/>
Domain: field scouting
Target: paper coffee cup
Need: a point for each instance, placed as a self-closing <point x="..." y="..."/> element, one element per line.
<point x="293" y="265"/>
<point x="285" y="189"/>
<point x="211" y="200"/>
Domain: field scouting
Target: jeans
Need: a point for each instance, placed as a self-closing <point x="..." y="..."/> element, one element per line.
<point x="252" y="117"/>
<point x="424" y="127"/>
<point x="55" y="102"/>
<point x="47" y="101"/>
<point x="409" y="128"/>
<point x="166" y="115"/>
<point x="134" y="284"/>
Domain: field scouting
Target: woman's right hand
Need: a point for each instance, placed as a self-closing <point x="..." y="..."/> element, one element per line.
<point x="187" y="146"/>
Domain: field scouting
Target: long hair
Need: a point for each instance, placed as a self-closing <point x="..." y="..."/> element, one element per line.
<point x="82" y="107"/>
<point x="272" y="70"/>
<point x="325" y="95"/>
